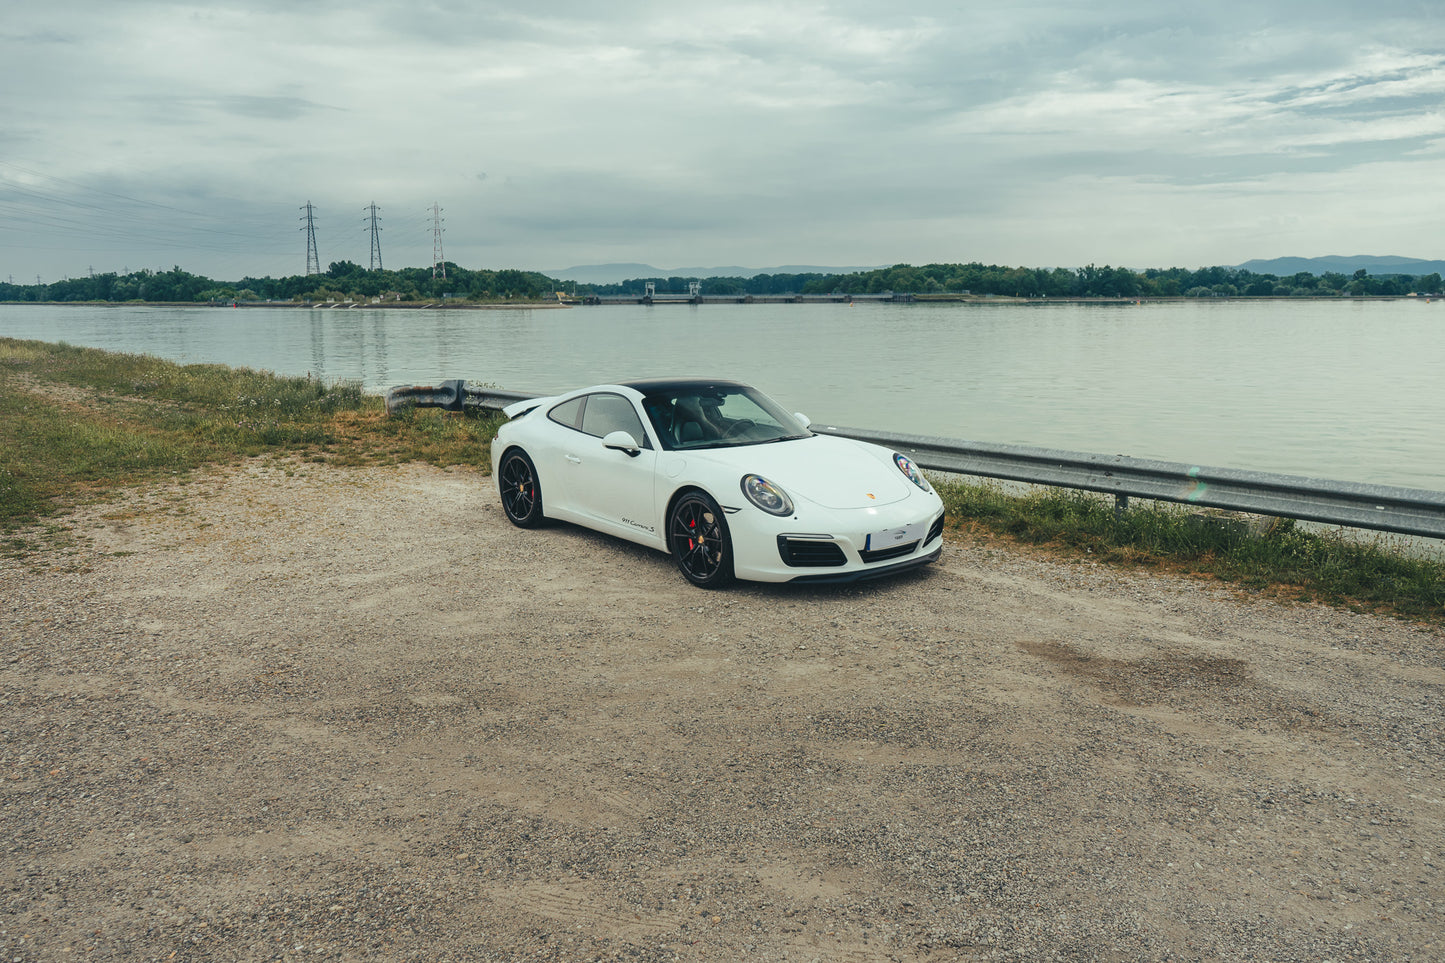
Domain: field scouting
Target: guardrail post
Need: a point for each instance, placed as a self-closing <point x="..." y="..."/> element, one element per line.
<point x="1121" y="505"/>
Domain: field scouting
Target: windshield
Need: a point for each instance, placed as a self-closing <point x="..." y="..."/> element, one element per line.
<point x="698" y="415"/>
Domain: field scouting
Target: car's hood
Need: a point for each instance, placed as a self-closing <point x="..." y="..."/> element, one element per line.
<point x="823" y="469"/>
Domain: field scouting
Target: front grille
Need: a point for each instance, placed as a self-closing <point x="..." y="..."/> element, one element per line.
<point x="884" y="554"/>
<point x="935" y="530"/>
<point x="810" y="552"/>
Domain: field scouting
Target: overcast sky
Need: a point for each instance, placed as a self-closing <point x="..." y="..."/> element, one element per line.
<point x="1147" y="134"/>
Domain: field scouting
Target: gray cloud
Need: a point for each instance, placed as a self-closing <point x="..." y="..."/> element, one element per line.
<point x="1036" y="133"/>
<point x="268" y="108"/>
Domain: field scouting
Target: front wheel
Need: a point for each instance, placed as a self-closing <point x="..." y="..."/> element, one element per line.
<point x="520" y="490"/>
<point x="699" y="539"/>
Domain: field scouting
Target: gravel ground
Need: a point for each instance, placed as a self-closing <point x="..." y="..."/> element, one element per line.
<point x="296" y="712"/>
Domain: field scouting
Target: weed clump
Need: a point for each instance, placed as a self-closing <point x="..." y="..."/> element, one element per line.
<point x="1281" y="557"/>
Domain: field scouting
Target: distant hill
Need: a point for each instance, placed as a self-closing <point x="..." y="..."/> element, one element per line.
<point x="615" y="273"/>
<point x="1373" y="264"/>
<point x="604" y="273"/>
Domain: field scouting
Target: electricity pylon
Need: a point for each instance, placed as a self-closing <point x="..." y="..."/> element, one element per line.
<point x="313" y="260"/>
<point x="375" y="239"/>
<point x="438" y="261"/>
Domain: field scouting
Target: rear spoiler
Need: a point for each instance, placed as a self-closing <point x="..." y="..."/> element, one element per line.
<point x="522" y="407"/>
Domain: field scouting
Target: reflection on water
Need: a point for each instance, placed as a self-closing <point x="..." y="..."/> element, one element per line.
<point x="1332" y="389"/>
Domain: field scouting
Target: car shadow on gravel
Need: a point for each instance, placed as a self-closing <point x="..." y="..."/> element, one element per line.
<point x="657" y="567"/>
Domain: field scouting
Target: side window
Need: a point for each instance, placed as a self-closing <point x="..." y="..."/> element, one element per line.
<point x="607" y="413"/>
<point x="566" y="413"/>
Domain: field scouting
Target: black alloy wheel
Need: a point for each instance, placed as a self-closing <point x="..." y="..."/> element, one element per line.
<point x="521" y="493"/>
<point x="698" y="537"/>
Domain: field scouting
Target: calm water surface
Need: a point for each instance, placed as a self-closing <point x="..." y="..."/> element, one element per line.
<point x="1347" y="390"/>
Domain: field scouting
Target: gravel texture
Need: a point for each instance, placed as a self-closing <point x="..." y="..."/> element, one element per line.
<point x="290" y="712"/>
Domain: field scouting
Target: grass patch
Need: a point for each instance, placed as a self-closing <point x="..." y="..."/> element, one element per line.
<point x="78" y="422"/>
<point x="1283" y="559"/>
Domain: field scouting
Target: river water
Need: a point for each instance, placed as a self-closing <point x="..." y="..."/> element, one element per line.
<point x="1349" y="390"/>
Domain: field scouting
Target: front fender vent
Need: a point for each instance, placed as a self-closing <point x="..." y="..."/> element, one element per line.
<point x="884" y="554"/>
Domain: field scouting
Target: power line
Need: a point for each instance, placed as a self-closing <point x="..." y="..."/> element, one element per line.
<point x="90" y="212"/>
<point x="95" y="190"/>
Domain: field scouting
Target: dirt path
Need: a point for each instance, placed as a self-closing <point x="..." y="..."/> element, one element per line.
<point x="332" y="714"/>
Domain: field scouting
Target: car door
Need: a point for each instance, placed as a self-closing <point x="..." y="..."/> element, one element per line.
<point x="554" y="458"/>
<point x="613" y="490"/>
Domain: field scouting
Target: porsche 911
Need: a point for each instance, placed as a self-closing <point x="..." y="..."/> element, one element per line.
<point x="720" y="476"/>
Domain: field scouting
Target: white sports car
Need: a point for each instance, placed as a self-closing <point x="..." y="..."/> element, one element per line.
<point x="716" y="473"/>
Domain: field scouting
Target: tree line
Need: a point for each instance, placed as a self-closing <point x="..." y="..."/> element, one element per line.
<point x="720" y="286"/>
<point x="342" y="281"/>
<point x="1111" y="282"/>
<point x="348" y="281"/>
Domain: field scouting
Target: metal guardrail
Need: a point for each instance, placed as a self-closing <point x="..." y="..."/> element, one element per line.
<point x="1404" y="511"/>
<point x="454" y="395"/>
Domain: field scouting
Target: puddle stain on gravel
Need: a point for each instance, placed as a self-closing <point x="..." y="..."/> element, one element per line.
<point x="1194" y="680"/>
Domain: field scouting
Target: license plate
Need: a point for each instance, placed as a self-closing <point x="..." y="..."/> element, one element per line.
<point x="890" y="537"/>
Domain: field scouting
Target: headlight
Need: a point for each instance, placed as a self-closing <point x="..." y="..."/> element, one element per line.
<point x="767" y="496"/>
<point x="911" y="470"/>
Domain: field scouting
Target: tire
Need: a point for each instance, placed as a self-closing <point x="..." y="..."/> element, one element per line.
<point x="520" y="490"/>
<point x="698" y="535"/>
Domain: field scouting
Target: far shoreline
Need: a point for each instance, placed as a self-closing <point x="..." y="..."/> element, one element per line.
<point x="454" y="305"/>
<point x="318" y="305"/>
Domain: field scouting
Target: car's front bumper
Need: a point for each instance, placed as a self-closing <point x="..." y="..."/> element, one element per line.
<point x="831" y="577"/>
<point x="834" y="546"/>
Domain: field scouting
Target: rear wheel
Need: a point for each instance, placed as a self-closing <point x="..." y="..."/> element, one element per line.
<point x="520" y="490"/>
<point x="699" y="539"/>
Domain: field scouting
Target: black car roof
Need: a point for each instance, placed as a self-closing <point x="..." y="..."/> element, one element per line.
<point x="675" y="385"/>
